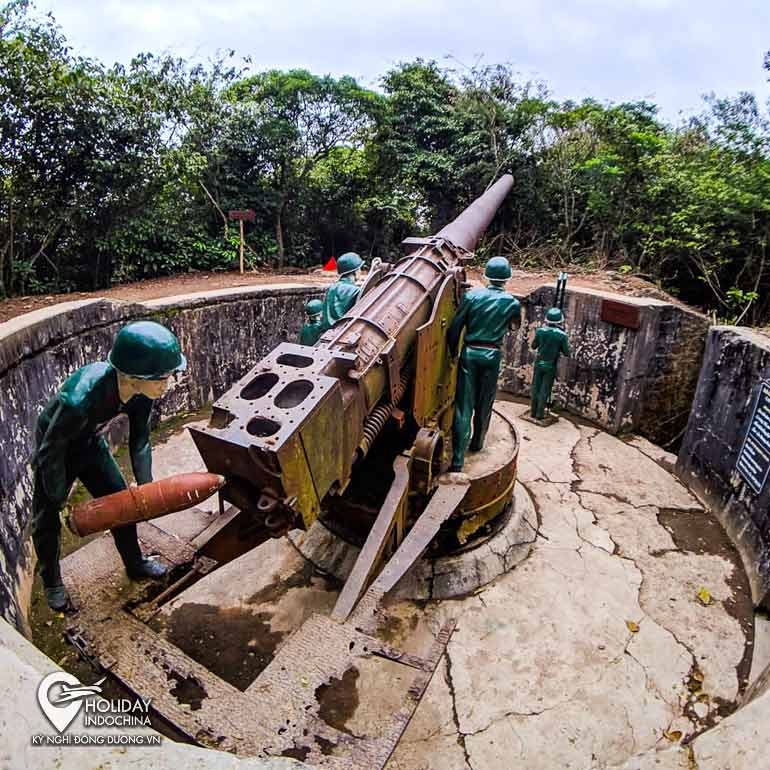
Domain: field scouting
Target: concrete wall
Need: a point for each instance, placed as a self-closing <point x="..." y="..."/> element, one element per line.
<point x="222" y="333"/>
<point x="641" y="380"/>
<point x="735" y="362"/>
<point x="624" y="379"/>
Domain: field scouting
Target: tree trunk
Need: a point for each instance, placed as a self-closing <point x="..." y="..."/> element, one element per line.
<point x="11" y="266"/>
<point x="3" y="292"/>
<point x="279" y="237"/>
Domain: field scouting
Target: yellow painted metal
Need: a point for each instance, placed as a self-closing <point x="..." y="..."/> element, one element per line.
<point x="474" y="521"/>
<point x="435" y="369"/>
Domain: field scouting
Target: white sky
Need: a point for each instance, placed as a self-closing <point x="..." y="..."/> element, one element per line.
<point x="667" y="51"/>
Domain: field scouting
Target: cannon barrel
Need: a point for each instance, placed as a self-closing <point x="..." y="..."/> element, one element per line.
<point x="289" y="433"/>
<point x="467" y="229"/>
<point x="142" y="503"/>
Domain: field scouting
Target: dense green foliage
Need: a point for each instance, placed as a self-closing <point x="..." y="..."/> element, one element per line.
<point x="111" y="174"/>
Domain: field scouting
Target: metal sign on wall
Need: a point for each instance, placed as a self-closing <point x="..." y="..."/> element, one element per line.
<point x="754" y="459"/>
<point x="621" y="313"/>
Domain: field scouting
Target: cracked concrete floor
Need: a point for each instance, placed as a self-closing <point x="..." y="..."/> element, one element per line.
<point x="597" y="647"/>
<point x="594" y="649"/>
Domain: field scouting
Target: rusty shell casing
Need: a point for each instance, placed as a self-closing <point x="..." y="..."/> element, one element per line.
<point x="144" y="502"/>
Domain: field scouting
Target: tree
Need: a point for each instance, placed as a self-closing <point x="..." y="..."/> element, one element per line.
<point x="298" y="119"/>
<point x="110" y="174"/>
<point x="417" y="137"/>
<point x="83" y="152"/>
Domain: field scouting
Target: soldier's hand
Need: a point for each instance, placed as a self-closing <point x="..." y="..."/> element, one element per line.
<point x="64" y="516"/>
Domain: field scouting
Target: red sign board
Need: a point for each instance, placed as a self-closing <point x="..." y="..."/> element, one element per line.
<point x="621" y="313"/>
<point x="248" y="214"/>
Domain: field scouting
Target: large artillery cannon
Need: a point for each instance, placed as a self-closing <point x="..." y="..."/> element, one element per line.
<point x="291" y="433"/>
<point x="352" y="435"/>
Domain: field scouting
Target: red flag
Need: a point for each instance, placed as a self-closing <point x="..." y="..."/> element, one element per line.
<point x="331" y="265"/>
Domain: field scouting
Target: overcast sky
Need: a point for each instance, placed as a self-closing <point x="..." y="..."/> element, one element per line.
<point x="667" y="51"/>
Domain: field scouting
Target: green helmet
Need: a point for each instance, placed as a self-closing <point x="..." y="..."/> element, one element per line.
<point x="314" y="307"/>
<point x="497" y="269"/>
<point x="349" y="263"/>
<point x="554" y="317"/>
<point x="146" y="350"/>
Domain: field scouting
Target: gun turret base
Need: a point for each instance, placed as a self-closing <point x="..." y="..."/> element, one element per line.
<point x="484" y="510"/>
<point x="488" y="535"/>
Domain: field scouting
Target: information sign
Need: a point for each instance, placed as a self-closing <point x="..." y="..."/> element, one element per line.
<point x="754" y="459"/>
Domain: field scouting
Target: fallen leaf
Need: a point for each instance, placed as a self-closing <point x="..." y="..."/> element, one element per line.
<point x="704" y="697"/>
<point x="304" y="681"/>
<point x="632" y="627"/>
<point x="704" y="597"/>
<point x="698" y="676"/>
<point x="674" y="735"/>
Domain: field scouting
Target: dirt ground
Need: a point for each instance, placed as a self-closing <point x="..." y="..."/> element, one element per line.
<point x="522" y="281"/>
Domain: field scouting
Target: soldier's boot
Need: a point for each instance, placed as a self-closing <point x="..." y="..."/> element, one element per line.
<point x="146" y="568"/>
<point x="58" y="599"/>
<point x="138" y="566"/>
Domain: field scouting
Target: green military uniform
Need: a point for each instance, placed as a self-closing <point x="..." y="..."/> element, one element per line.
<point x="313" y="328"/>
<point x="550" y="342"/>
<point x="486" y="315"/>
<point x="342" y="295"/>
<point x="70" y="445"/>
<point x="310" y="333"/>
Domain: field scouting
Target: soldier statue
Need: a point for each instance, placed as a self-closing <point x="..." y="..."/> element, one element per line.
<point x="550" y="342"/>
<point x="70" y="444"/>
<point x="485" y="314"/>
<point x="313" y="327"/>
<point x="342" y="295"/>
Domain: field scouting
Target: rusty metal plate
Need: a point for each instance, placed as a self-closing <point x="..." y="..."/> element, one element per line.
<point x="319" y="651"/>
<point x="441" y="506"/>
<point x="201" y="705"/>
<point x="435" y="369"/>
<point x="620" y="313"/>
<point x="96" y="572"/>
<point x="487" y="487"/>
<point x="376" y="542"/>
<point x="279" y="713"/>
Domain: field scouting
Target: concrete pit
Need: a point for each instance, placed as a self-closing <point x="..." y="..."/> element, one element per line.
<point x="618" y="620"/>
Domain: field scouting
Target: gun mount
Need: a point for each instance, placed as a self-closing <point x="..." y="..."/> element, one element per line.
<point x="352" y="435"/>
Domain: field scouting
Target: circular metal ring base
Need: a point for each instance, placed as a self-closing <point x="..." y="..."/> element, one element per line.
<point x="442" y="577"/>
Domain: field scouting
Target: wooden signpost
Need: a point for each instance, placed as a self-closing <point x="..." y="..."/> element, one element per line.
<point x="242" y="215"/>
